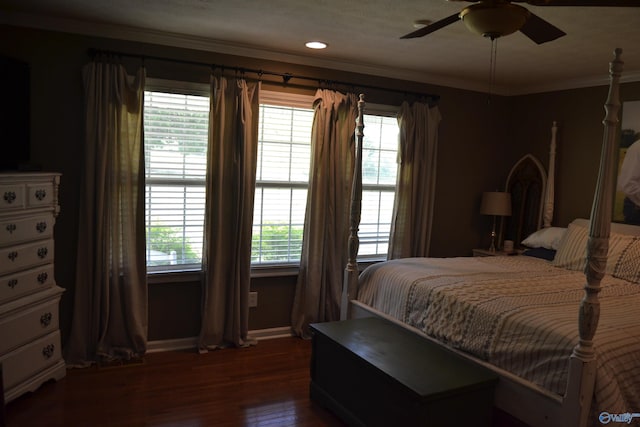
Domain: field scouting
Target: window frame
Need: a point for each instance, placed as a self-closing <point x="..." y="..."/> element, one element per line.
<point x="182" y="88"/>
<point x="270" y="97"/>
<point x="389" y="111"/>
<point x="287" y="100"/>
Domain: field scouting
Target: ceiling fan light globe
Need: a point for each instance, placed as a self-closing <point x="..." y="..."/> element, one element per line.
<point x="494" y="20"/>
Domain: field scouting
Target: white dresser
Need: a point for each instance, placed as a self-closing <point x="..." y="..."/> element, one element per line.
<point x="30" y="347"/>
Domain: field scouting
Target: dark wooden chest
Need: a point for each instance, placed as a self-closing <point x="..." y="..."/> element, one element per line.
<point x="371" y="372"/>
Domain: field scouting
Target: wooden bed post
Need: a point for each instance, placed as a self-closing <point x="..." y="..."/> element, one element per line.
<point x="582" y="366"/>
<point x="549" y="194"/>
<point x="350" y="280"/>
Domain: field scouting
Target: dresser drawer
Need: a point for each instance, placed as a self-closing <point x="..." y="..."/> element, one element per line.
<point x="24" y="256"/>
<point x="30" y="359"/>
<point x="40" y="194"/>
<point x="18" y="284"/>
<point x="17" y="230"/>
<point x="28" y="324"/>
<point x="13" y="196"/>
<point x="28" y="191"/>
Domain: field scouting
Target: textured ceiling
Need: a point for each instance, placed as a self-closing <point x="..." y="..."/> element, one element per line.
<point x="362" y="36"/>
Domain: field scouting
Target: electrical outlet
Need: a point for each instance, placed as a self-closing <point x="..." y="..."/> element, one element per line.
<point x="253" y="299"/>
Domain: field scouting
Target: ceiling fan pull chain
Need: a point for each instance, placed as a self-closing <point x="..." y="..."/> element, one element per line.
<point x="492" y="65"/>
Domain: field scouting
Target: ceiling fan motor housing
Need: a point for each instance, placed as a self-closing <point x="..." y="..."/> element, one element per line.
<point x="494" y="20"/>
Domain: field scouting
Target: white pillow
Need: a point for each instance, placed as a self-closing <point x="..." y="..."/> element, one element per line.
<point x="628" y="266"/>
<point x="548" y="238"/>
<point x="572" y="253"/>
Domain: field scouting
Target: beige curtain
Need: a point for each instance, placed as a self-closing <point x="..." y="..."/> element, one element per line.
<point x="417" y="156"/>
<point x="326" y="227"/>
<point x="231" y="178"/>
<point x="110" y="302"/>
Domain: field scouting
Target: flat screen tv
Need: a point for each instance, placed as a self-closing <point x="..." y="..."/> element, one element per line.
<point x="14" y="114"/>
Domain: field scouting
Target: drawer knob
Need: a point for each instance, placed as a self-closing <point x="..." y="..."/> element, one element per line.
<point x="9" y="196"/>
<point x="42" y="252"/>
<point x="48" y="350"/>
<point x="11" y="228"/>
<point x="41" y="227"/>
<point x="13" y="255"/>
<point x="13" y="283"/>
<point x="42" y="277"/>
<point x="41" y="194"/>
<point x="45" y="319"/>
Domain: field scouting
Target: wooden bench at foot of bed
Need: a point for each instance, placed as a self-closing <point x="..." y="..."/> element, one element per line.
<point x="371" y="372"/>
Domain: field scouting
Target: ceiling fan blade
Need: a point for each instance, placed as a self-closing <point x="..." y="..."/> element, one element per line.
<point x="539" y="30"/>
<point x="581" y="3"/>
<point x="432" y="27"/>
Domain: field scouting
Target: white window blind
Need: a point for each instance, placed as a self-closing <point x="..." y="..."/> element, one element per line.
<point x="282" y="182"/>
<point x="282" y="176"/>
<point x="379" y="170"/>
<point x="175" y="137"/>
<point x="176" y="127"/>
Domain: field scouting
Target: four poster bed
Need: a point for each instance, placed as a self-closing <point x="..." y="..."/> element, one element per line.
<point x="530" y="320"/>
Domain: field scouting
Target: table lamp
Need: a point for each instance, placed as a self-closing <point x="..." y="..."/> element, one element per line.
<point x="496" y="203"/>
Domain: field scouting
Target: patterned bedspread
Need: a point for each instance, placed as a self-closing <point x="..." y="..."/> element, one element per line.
<point x="519" y="313"/>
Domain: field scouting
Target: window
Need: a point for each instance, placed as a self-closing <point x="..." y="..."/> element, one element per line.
<point x="379" y="169"/>
<point x="175" y="133"/>
<point x="283" y="174"/>
<point x="282" y="177"/>
<point x="175" y="138"/>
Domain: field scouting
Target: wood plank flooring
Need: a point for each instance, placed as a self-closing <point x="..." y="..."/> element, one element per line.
<point x="265" y="385"/>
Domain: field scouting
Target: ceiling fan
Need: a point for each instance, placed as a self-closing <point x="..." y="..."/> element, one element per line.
<point x="497" y="18"/>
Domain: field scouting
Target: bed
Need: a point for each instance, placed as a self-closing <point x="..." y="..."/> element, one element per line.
<point x="534" y="321"/>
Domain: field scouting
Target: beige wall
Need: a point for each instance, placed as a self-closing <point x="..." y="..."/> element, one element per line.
<point x="477" y="146"/>
<point x="579" y="113"/>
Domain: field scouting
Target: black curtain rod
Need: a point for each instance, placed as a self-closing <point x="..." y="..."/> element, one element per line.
<point x="286" y="77"/>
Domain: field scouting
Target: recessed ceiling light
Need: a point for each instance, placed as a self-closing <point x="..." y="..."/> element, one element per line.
<point x="316" y="45"/>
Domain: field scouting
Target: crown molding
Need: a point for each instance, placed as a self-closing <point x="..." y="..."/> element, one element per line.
<point x="142" y="35"/>
<point x="593" y="81"/>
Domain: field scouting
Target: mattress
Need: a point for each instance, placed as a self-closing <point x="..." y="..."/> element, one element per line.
<point x="518" y="313"/>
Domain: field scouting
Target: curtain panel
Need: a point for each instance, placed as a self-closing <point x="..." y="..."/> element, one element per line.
<point x="326" y="227"/>
<point x="230" y="187"/>
<point x="110" y="301"/>
<point x="415" y="189"/>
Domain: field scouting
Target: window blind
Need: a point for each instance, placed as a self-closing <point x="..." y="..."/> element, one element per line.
<point x="379" y="170"/>
<point x="175" y="136"/>
<point x="282" y="176"/>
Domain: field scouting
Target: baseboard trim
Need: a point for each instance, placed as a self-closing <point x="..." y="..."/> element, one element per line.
<point x="190" y="343"/>
<point x="172" y="345"/>
<point x="271" y="333"/>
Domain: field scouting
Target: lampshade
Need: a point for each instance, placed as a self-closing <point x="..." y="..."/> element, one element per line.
<point x="494" y="19"/>
<point x="496" y="203"/>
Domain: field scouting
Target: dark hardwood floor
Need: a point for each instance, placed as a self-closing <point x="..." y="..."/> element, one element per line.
<point x="265" y="385"/>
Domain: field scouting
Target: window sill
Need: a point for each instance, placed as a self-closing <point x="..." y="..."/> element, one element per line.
<point x="176" y="276"/>
<point x="182" y="276"/>
<point x="275" y="271"/>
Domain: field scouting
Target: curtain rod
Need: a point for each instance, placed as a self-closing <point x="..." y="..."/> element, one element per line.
<point x="286" y="77"/>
